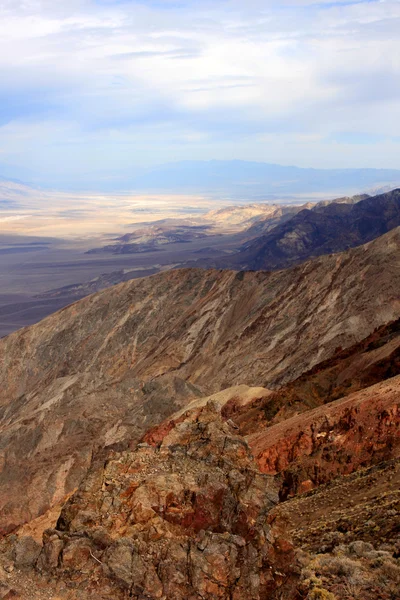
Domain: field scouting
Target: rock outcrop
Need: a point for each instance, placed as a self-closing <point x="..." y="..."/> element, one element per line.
<point x="189" y="514"/>
<point x="313" y="448"/>
<point x="185" y="519"/>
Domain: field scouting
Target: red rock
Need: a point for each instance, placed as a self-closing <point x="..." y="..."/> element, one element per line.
<point x="335" y="439"/>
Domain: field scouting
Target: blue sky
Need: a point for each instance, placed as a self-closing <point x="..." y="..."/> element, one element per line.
<point x="90" y="89"/>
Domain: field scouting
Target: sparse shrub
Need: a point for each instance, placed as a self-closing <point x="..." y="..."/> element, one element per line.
<point x="315" y="581"/>
<point x="338" y="565"/>
<point x="307" y="574"/>
<point x="352" y="590"/>
<point x="319" y="593"/>
<point x="390" y="571"/>
<point x="360" y="548"/>
<point x="352" y="571"/>
<point x="379" y="558"/>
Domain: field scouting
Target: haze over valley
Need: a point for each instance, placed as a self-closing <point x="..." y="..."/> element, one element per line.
<point x="52" y="255"/>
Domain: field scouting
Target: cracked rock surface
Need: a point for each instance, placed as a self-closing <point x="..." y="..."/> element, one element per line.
<point x="184" y="519"/>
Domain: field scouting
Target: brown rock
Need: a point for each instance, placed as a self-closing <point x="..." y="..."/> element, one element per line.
<point x="26" y="551"/>
<point x="50" y="554"/>
<point x="77" y="555"/>
<point x="186" y="521"/>
<point x="7" y="593"/>
<point x="119" y="562"/>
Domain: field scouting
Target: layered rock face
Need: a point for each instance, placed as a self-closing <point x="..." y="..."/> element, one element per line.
<point x="375" y="359"/>
<point x="315" y="447"/>
<point x="102" y="371"/>
<point x="185" y="519"/>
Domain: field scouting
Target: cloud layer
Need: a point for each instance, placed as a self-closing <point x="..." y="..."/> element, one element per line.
<point x="93" y="88"/>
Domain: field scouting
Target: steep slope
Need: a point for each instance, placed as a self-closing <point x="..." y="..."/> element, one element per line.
<point x="373" y="360"/>
<point x="286" y="213"/>
<point x="102" y="371"/>
<point x="347" y="533"/>
<point x="313" y="448"/>
<point x="321" y="230"/>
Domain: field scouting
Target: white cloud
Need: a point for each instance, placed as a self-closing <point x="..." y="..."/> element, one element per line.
<point x="197" y="78"/>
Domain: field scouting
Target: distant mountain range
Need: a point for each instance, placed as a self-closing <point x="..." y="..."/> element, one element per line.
<point x="323" y="229"/>
<point x="237" y="178"/>
<point x="243" y="178"/>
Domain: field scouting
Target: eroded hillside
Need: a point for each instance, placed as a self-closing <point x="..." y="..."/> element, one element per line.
<point x="105" y="369"/>
<point x="191" y="511"/>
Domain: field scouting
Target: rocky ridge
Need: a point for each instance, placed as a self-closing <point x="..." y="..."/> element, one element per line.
<point x="320" y="230"/>
<point x="187" y="513"/>
<point x="373" y="360"/>
<point x="264" y="225"/>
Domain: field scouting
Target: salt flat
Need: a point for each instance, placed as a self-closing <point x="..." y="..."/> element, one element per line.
<point x="26" y="211"/>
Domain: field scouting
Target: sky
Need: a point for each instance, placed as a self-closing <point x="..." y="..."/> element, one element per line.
<point x="90" y="89"/>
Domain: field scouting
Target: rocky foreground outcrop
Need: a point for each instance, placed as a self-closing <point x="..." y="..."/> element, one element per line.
<point x="186" y="519"/>
<point x="188" y="512"/>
